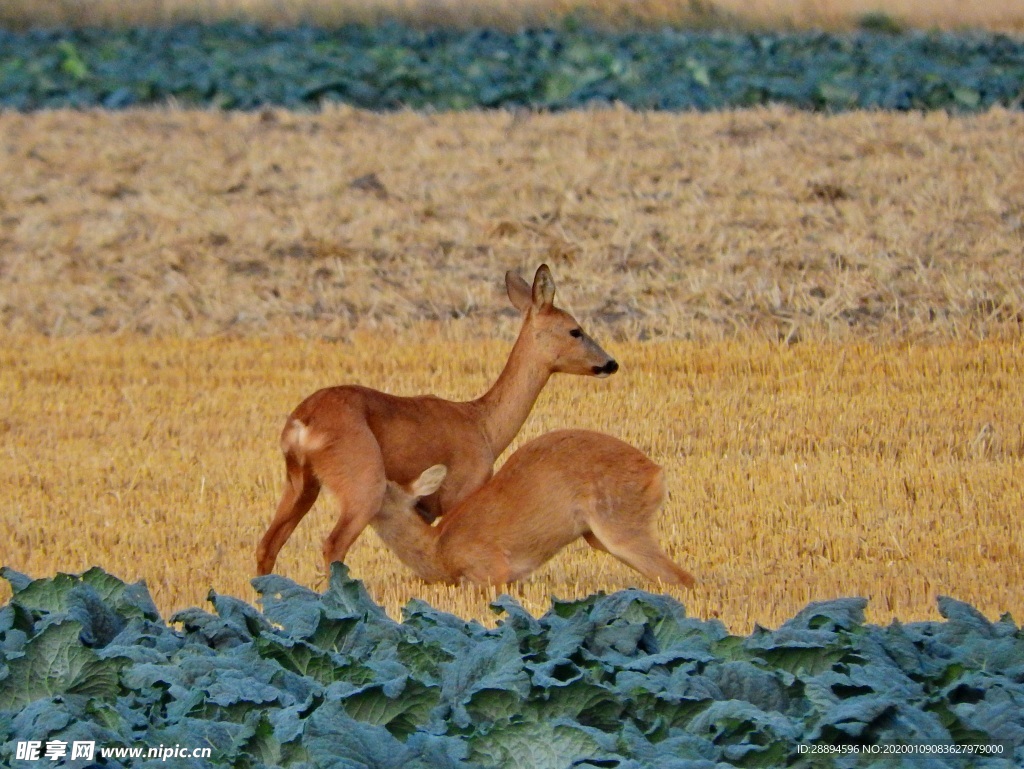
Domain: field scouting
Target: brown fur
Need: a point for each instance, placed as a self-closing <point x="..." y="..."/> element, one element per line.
<point x="353" y="439"/>
<point x="561" y="486"/>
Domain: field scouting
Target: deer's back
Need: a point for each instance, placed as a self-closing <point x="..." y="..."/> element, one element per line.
<point x="412" y="432"/>
<point x="580" y="461"/>
<point x="542" y="497"/>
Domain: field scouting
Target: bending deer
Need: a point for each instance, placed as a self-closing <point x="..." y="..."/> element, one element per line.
<point x="561" y="486"/>
<point x="353" y="439"/>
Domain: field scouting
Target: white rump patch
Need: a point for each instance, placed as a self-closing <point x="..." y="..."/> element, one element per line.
<point x="299" y="440"/>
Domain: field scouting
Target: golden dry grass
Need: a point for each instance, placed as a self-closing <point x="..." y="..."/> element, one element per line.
<point x="892" y="471"/>
<point x="1004" y="16"/>
<point x="768" y="222"/>
<point x="818" y="319"/>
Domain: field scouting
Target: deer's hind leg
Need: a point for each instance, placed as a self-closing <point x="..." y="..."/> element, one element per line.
<point x="638" y="548"/>
<point x="353" y="470"/>
<point x="628" y="534"/>
<point x="301" y="490"/>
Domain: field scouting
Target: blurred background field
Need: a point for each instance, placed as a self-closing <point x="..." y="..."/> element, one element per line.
<point x="818" y="319"/>
<point x="784" y="225"/>
<point x="993" y="15"/>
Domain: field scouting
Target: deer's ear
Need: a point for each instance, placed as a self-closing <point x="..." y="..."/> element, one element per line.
<point x="518" y="291"/>
<point x="429" y="481"/>
<point x="543" y="294"/>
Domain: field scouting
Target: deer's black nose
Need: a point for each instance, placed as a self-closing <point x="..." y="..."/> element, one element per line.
<point x="608" y="368"/>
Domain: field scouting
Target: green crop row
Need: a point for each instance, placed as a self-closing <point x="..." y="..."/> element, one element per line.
<point x="624" y="680"/>
<point x="237" y="66"/>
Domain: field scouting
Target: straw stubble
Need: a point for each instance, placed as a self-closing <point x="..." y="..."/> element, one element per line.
<point x="795" y="473"/>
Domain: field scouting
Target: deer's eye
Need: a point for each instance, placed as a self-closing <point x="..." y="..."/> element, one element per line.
<point x="577" y="333"/>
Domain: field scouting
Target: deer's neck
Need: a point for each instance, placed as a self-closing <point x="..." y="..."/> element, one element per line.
<point x="412" y="540"/>
<point x="505" y="407"/>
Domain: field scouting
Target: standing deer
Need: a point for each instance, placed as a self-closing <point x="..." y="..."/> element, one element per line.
<point x="353" y="439"/>
<point x="556" y="488"/>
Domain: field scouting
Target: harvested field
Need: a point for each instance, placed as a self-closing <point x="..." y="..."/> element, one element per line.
<point x="770" y="223"/>
<point x="799" y="14"/>
<point x="892" y="471"/>
<point x="818" y="321"/>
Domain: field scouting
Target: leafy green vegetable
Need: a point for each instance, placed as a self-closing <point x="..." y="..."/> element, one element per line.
<point x="237" y="66"/>
<point x="623" y="680"/>
<point x="533" y="744"/>
<point x="55" y="662"/>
